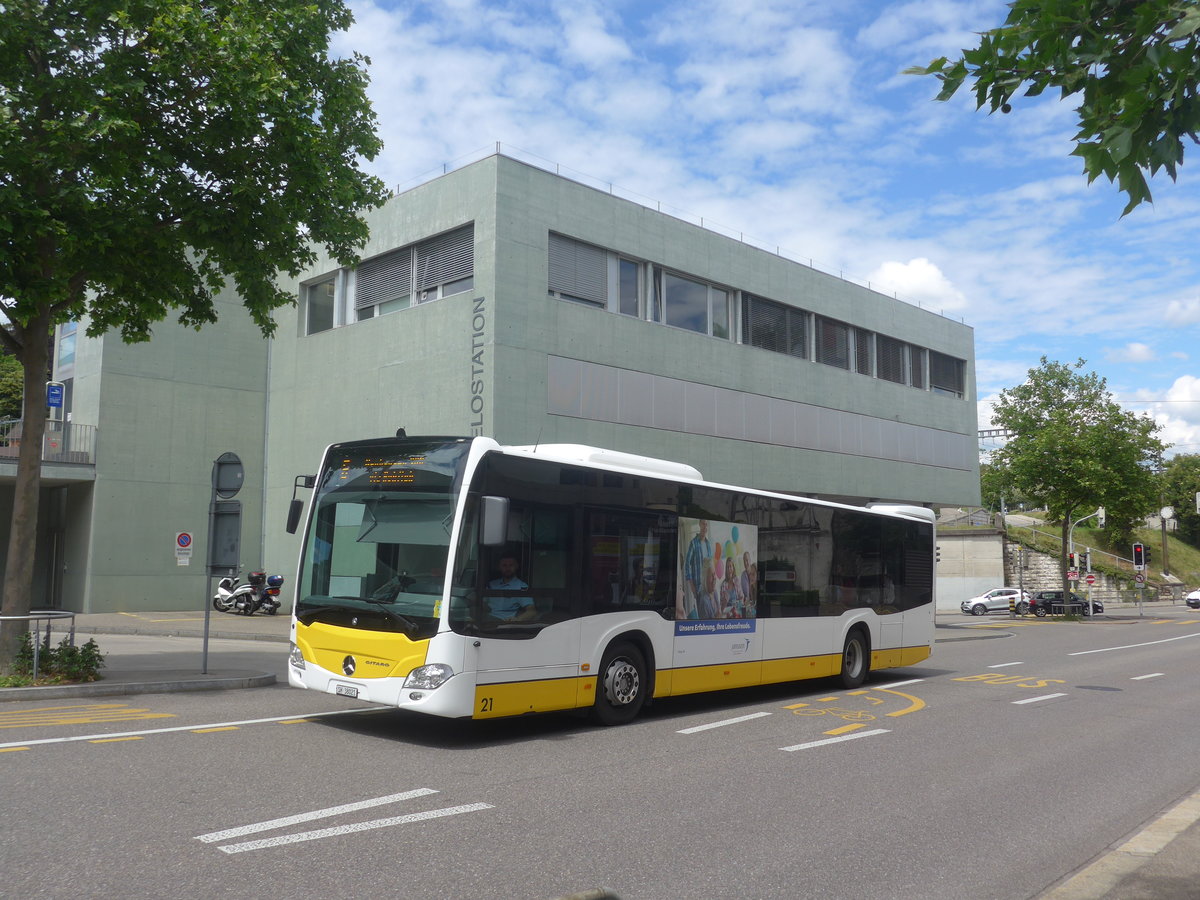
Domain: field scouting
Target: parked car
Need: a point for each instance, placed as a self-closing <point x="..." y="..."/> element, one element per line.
<point x="996" y="599"/>
<point x="1046" y="602"/>
<point x="1193" y="600"/>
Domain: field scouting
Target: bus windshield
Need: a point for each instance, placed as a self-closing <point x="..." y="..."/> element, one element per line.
<point x="377" y="546"/>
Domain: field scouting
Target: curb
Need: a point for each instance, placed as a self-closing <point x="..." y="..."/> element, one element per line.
<point x="117" y="688"/>
<point x="179" y="632"/>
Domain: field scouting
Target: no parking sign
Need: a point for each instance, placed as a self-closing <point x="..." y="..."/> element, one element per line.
<point x="183" y="548"/>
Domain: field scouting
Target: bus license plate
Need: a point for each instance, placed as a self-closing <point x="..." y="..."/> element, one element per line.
<point x="346" y="690"/>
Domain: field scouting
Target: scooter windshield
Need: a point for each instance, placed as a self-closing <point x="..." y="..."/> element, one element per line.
<point x="377" y="545"/>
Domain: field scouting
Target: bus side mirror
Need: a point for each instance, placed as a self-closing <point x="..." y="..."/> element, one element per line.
<point x="493" y="524"/>
<point x="295" y="508"/>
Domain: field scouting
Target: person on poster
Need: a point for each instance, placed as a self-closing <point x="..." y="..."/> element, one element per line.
<point x="733" y="601"/>
<point x="699" y="551"/>
<point x="749" y="585"/>
<point x="708" y="601"/>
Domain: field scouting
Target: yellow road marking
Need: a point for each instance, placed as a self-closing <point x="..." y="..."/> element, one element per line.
<point x="211" y="730"/>
<point x="12" y="749"/>
<point x="295" y="721"/>
<point x="30" y="719"/>
<point x="845" y="728"/>
<point x="116" y="740"/>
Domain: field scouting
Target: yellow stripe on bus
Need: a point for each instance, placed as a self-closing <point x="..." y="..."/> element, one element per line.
<point x="517" y="698"/>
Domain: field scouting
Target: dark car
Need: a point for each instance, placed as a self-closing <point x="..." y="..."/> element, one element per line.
<point x="1047" y="602"/>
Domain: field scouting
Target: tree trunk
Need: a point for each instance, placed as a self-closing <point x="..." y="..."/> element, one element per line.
<point x="22" y="538"/>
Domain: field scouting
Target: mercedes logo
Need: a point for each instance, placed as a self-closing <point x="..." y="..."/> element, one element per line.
<point x="348" y="665"/>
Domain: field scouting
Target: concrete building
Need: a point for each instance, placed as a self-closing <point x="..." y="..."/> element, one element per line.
<point x="505" y="300"/>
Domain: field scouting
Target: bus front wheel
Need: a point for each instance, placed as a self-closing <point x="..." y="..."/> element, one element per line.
<point x="855" y="659"/>
<point x="621" y="684"/>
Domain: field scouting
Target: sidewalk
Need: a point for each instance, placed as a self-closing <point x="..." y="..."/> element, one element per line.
<point x="162" y="652"/>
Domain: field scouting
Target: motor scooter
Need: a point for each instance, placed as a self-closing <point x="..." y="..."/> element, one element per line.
<point x="264" y="593"/>
<point x="230" y="589"/>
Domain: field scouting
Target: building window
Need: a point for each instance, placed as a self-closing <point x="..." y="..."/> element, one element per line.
<point x="691" y="305"/>
<point x="890" y="361"/>
<point x="629" y="301"/>
<point x="319" y="305"/>
<point x="916" y="367"/>
<point x="66" y="343"/>
<point x="946" y="374"/>
<point x="864" y="344"/>
<point x="579" y="271"/>
<point x="435" y="268"/>
<point x="383" y="284"/>
<point x="833" y="343"/>
<point x="774" y="326"/>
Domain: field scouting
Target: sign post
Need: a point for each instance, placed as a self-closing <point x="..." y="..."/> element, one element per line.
<point x="224" y="531"/>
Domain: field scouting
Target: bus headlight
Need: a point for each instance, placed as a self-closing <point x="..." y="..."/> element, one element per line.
<point x="426" y="678"/>
<point x="296" y="658"/>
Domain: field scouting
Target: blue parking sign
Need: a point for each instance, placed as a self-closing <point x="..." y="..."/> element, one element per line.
<point x="54" y="394"/>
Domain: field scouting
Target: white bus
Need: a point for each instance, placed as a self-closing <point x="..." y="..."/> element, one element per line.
<point x="458" y="577"/>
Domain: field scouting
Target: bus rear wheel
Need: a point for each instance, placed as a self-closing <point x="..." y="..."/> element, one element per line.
<point x="855" y="659"/>
<point x="621" y="684"/>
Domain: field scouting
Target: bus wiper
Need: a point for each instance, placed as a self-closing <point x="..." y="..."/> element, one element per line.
<point x="410" y="626"/>
<point x="309" y="615"/>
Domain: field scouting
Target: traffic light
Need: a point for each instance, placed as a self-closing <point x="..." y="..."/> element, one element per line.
<point x="1139" y="557"/>
<point x="1072" y="560"/>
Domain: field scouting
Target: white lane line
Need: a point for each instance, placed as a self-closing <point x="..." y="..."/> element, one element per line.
<point x="351" y="829"/>
<point x="1144" y="677"/>
<point x="896" y="684"/>
<point x="1037" y="699"/>
<point x="1005" y="665"/>
<point x="836" y="740"/>
<point x="1182" y="637"/>
<point x="695" y="728"/>
<point x="227" y="833"/>
<point x="92" y="737"/>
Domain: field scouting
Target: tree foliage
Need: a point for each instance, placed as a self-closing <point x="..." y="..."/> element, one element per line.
<point x="1075" y="449"/>
<point x="1181" y="482"/>
<point x="152" y="151"/>
<point x="1135" y="65"/>
<point x="11" y="386"/>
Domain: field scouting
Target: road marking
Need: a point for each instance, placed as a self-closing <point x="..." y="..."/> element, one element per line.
<point x="1037" y="699"/>
<point x="92" y="737"/>
<point x="351" y="829"/>
<point x="896" y="684"/>
<point x="696" y="728"/>
<point x="211" y="730"/>
<point x="1005" y="665"/>
<point x="1144" y="677"/>
<point x="845" y="729"/>
<point x="835" y="740"/>
<point x="86" y="714"/>
<point x="115" y="740"/>
<point x="1180" y="637"/>
<point x="12" y="749"/>
<point x="329" y="811"/>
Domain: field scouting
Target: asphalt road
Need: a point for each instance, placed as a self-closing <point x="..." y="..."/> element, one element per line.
<point x="1017" y="755"/>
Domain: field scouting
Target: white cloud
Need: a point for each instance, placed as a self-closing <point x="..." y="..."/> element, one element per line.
<point x="918" y="281"/>
<point x="1183" y="312"/>
<point x="1134" y="352"/>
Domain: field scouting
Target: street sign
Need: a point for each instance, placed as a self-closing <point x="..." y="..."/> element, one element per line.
<point x="1139" y="578"/>
<point x="54" y="393"/>
<point x="1091" y="579"/>
<point x="1072" y="574"/>
<point x="183" y="548"/>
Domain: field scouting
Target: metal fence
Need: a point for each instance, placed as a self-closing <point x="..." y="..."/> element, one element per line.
<point x="63" y="442"/>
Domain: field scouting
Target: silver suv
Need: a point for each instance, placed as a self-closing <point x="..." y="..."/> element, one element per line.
<point x="997" y="599"/>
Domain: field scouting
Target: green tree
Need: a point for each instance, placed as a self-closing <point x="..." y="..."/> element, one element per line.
<point x="152" y="151"/>
<point x="11" y="387"/>
<point x="1134" y="63"/>
<point x="1075" y="449"/>
<point x="1181" y="483"/>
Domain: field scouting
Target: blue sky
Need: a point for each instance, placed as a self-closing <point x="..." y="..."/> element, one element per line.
<point x="787" y="122"/>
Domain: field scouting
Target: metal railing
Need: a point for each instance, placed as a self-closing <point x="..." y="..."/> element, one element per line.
<point x="63" y="442"/>
<point x="36" y="617"/>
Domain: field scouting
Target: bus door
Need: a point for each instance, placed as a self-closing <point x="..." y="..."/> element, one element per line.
<point x="526" y="625"/>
